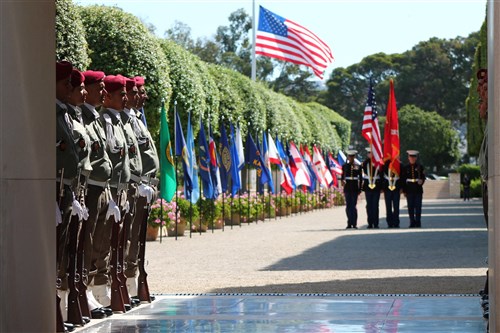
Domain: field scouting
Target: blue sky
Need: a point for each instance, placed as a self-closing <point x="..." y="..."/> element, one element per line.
<point x="353" y="29"/>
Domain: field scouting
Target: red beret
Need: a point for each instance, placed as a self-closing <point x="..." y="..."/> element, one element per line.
<point x="77" y="78"/>
<point x="114" y="82"/>
<point x="63" y="70"/>
<point x="139" y="81"/>
<point x="93" y="76"/>
<point x="130" y="83"/>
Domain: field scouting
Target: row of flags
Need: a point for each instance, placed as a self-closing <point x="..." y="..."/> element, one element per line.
<point x="215" y="167"/>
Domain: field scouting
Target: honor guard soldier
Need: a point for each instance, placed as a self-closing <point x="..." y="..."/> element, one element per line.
<point x="98" y="191"/>
<point x="147" y="190"/>
<point x="67" y="161"/>
<point x="391" y="185"/>
<point x="371" y="187"/>
<point x="351" y="181"/>
<point x="117" y="150"/>
<point x="413" y="179"/>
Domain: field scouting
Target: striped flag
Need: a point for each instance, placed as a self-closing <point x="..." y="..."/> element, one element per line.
<point x="286" y="40"/>
<point x="370" y="130"/>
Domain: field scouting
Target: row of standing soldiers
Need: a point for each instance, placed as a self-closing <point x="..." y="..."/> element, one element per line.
<point x="106" y="180"/>
<point x="373" y="179"/>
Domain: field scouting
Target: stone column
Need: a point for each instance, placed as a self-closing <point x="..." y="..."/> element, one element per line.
<point x="494" y="162"/>
<point x="27" y="166"/>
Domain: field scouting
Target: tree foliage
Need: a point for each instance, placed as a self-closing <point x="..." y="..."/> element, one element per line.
<point x="122" y="44"/>
<point x="429" y="133"/>
<point x="71" y="44"/>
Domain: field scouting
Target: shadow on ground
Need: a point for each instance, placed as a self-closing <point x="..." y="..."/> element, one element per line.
<point x="397" y="285"/>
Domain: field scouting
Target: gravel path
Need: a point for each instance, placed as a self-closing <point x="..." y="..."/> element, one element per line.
<point x="314" y="253"/>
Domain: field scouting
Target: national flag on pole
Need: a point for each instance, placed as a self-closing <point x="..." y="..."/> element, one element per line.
<point x="299" y="169"/>
<point x="206" y="179"/>
<point x="320" y="165"/>
<point x="255" y="159"/>
<point x="314" y="176"/>
<point x="235" y="174"/>
<point x="341" y="158"/>
<point x="391" y="133"/>
<point x="168" y="183"/>
<point x="225" y="159"/>
<point x="274" y="157"/>
<point x="195" y="193"/>
<point x="182" y="150"/>
<point x="286" y="40"/>
<point x="214" y="164"/>
<point x="241" y="153"/>
<point x="335" y="169"/>
<point x="370" y="130"/>
<point x="267" y="162"/>
<point x="287" y="181"/>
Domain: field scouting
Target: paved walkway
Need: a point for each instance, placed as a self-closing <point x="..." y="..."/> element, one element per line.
<point x="307" y="273"/>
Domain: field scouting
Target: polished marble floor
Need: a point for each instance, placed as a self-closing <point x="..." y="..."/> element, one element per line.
<point x="299" y="313"/>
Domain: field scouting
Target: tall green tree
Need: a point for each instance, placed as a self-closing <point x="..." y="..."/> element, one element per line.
<point x="431" y="134"/>
<point x="71" y="44"/>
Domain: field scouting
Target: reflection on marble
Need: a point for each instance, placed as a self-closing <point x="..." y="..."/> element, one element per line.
<point x="298" y="313"/>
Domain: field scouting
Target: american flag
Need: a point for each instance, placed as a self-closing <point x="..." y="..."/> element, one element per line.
<point x="370" y="130"/>
<point x="286" y="40"/>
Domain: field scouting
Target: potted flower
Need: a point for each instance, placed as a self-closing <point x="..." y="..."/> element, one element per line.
<point x="165" y="214"/>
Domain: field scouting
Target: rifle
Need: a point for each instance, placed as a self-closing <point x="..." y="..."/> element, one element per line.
<point x="74" y="310"/>
<point x="127" y="220"/>
<point x="117" y="302"/>
<point x="142" y="283"/>
<point x="81" y="271"/>
<point x="59" y="318"/>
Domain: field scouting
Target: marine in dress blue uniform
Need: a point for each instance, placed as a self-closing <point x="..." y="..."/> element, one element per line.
<point x="391" y="186"/>
<point x="351" y="181"/>
<point x="413" y="179"/>
<point x="371" y="187"/>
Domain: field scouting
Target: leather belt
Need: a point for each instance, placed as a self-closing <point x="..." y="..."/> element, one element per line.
<point x="98" y="183"/>
<point x="135" y="178"/>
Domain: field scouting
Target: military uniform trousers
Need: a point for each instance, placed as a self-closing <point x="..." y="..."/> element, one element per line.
<point x="97" y="203"/>
<point x="414" y="201"/>
<point x="102" y="242"/>
<point x="133" y="227"/>
<point x="372" y="202"/>
<point x="62" y="237"/>
<point x="392" y="199"/>
<point x="133" y="238"/>
<point x="351" y="200"/>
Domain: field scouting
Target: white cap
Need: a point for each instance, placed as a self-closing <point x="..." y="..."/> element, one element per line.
<point x="351" y="152"/>
<point x="412" y="152"/>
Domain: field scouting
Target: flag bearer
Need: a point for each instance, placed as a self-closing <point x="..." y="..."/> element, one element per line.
<point x="371" y="187"/>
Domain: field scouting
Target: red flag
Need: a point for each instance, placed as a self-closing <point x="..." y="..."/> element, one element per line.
<point x="391" y="133"/>
<point x="371" y="131"/>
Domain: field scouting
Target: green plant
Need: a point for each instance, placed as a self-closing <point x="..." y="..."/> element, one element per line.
<point x="187" y="210"/>
<point x="163" y="213"/>
<point x="210" y="211"/>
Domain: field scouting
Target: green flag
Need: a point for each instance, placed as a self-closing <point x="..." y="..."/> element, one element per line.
<point x="168" y="183"/>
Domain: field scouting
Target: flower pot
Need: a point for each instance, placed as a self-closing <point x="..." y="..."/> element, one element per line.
<point x="172" y="231"/>
<point x="233" y="219"/>
<point x="151" y="233"/>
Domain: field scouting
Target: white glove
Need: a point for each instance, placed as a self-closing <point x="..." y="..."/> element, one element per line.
<point x="113" y="210"/>
<point x="146" y="191"/>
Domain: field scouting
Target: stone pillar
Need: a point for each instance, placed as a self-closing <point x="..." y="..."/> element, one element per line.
<point x="454" y="184"/>
<point x="27" y="166"/>
<point x="494" y="162"/>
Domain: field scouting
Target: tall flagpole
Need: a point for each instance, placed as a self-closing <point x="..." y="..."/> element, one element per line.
<point x="254" y="28"/>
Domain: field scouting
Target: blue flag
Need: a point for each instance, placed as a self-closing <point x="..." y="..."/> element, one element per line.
<point x="194" y="195"/>
<point x="214" y="164"/>
<point x="182" y="150"/>
<point x="143" y="117"/>
<point x="267" y="164"/>
<point x="225" y="159"/>
<point x="206" y="179"/>
<point x="235" y="175"/>
<point x="255" y="159"/>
